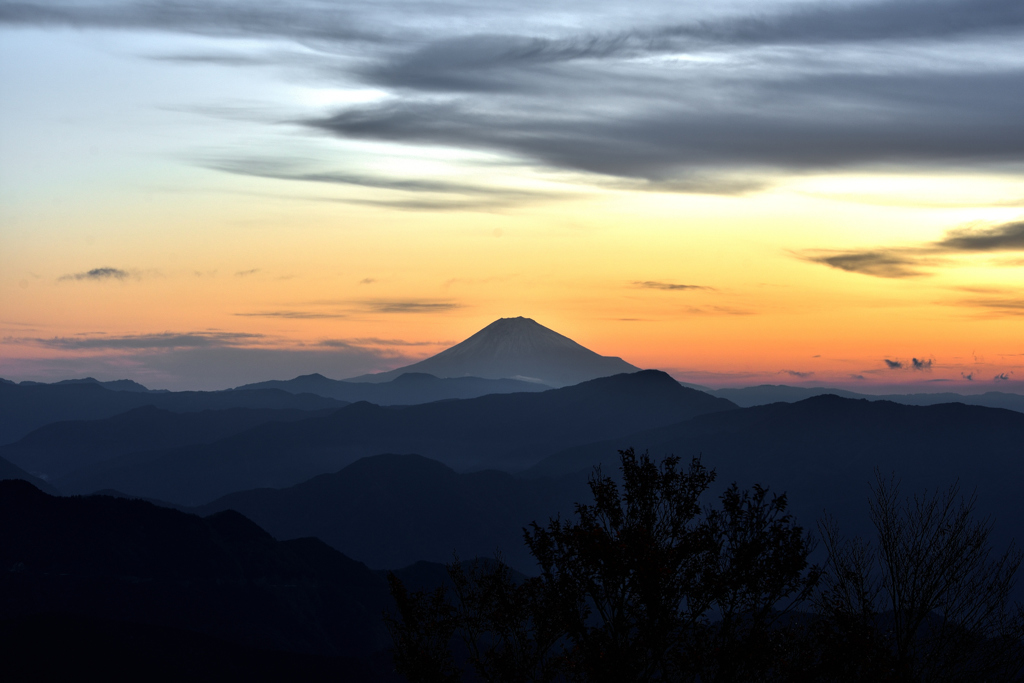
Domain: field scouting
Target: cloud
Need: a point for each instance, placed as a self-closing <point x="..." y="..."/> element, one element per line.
<point x="997" y="305"/>
<point x="888" y="264"/>
<point x="969" y="376"/>
<point x="921" y="364"/>
<point x="1006" y="237"/>
<point x="857" y="377"/>
<point x="466" y="195"/>
<point x="98" y="274"/>
<point x="376" y="341"/>
<point x="367" y="281"/>
<point x="902" y="262"/>
<point x="1002" y="377"/>
<point x="294" y="315"/>
<point x="399" y="306"/>
<point x="244" y="273"/>
<point x="717" y="310"/>
<point x="797" y="373"/>
<point x="165" y="340"/>
<point x="297" y="20"/>
<point x="668" y="286"/>
<point x="695" y="100"/>
<point x="893" y="364"/>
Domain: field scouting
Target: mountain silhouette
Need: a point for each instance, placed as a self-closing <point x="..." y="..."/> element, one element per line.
<point x="407" y="389"/>
<point x="764" y="394"/>
<point x="393" y="510"/>
<point x="517" y="348"/>
<point x="100" y="557"/>
<point x="9" y="470"/>
<point x="498" y="431"/>
<point x="59" y="448"/>
<point x="25" y="407"/>
<point x="823" y="452"/>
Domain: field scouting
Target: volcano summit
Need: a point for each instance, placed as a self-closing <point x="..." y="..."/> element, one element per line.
<point x="518" y="348"/>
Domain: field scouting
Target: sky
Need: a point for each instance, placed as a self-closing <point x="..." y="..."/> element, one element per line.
<point x="199" y="195"/>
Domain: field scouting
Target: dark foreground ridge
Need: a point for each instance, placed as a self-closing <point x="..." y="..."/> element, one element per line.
<point x="217" y="593"/>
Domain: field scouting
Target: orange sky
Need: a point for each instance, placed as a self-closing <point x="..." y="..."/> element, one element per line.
<point x="197" y="209"/>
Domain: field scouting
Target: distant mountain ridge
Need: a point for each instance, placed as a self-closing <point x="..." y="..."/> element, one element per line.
<point x="25" y="407"/>
<point x="498" y="431"/>
<point x="515" y="348"/>
<point x="764" y="394"/>
<point x="407" y="389"/>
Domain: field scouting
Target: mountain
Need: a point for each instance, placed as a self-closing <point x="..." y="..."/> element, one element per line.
<point x="393" y="510"/>
<point x="774" y="393"/>
<point x="113" y="385"/>
<point x="407" y="389"/>
<point x="824" y="451"/>
<point x="498" y="431"/>
<point x="59" y="448"/>
<point x="107" y="562"/>
<point x="25" y="407"/>
<point x="517" y="348"/>
<point x="9" y="470"/>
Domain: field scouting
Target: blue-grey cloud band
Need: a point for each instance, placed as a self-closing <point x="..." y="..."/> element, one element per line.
<point x="715" y="104"/>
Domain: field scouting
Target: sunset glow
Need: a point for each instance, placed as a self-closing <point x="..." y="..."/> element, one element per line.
<point x="200" y="199"/>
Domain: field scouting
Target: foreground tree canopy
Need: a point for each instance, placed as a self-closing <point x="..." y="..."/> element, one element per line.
<point x="649" y="584"/>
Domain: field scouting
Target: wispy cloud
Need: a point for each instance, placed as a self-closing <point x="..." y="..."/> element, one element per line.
<point x="245" y="273"/>
<point x="904" y="262"/>
<point x="294" y="315"/>
<point x="452" y="194"/>
<point x="412" y="306"/>
<point x="880" y="263"/>
<point x="165" y="340"/>
<point x="694" y="101"/>
<point x="717" y="310"/>
<point x="921" y="364"/>
<point x="797" y="373"/>
<point x="98" y="274"/>
<point x="893" y="364"/>
<point x="669" y="286"/>
<point x="1002" y="377"/>
<point x="377" y="342"/>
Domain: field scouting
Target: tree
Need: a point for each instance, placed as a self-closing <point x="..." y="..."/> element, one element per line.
<point x="928" y="602"/>
<point x="645" y="584"/>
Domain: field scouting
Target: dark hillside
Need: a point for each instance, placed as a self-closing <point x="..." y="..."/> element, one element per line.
<point x="222" y="576"/>
<point x="823" y="452"/>
<point x="392" y="510"/>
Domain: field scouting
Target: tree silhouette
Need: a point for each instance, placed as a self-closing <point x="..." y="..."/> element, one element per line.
<point x="643" y="584"/>
<point x="928" y="601"/>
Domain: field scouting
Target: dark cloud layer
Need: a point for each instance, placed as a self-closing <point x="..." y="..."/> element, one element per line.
<point x="710" y="104"/>
<point x="893" y="364"/>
